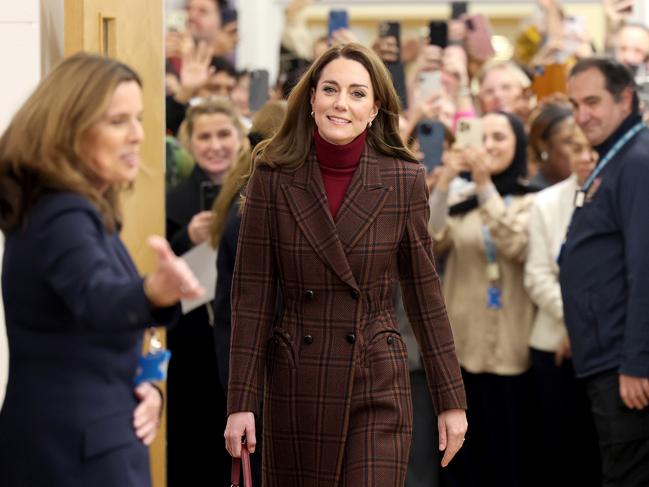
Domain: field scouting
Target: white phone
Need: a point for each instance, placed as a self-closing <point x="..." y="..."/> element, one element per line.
<point x="176" y="20"/>
<point x="468" y="132"/>
<point x="429" y="83"/>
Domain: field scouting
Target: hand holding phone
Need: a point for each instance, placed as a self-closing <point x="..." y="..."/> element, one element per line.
<point x="389" y="41"/>
<point x="338" y="19"/>
<point x="430" y="134"/>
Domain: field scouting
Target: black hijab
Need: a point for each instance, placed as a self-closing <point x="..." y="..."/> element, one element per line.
<point x="512" y="181"/>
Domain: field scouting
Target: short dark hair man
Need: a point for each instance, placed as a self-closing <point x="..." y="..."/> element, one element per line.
<point x="605" y="269"/>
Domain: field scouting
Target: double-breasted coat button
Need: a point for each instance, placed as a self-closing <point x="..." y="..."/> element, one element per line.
<point x="355" y="294"/>
<point x="308" y="339"/>
<point x="309" y="294"/>
<point x="351" y="338"/>
<point x="390" y="340"/>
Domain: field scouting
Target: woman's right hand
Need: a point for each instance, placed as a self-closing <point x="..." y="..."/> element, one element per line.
<point x="240" y="425"/>
<point x="199" y="227"/>
<point x="172" y="279"/>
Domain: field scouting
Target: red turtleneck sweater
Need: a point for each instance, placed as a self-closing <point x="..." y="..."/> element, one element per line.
<point x="338" y="164"/>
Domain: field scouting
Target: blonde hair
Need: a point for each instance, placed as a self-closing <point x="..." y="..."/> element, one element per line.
<point x="40" y="152"/>
<point x="265" y="123"/>
<point x="208" y="106"/>
<point x="505" y="65"/>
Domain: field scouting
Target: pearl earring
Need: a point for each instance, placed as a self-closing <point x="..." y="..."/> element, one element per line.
<point x="312" y="114"/>
<point x="369" y="124"/>
<point x="544" y="156"/>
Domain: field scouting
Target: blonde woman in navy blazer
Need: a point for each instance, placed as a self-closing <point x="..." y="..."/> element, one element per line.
<point x="75" y="304"/>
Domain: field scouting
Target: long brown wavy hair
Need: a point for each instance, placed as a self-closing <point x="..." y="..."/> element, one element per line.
<point x="264" y="125"/>
<point x="40" y="152"/>
<point x="291" y="145"/>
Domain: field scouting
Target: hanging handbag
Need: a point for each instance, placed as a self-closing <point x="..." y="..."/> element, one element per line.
<point x="237" y="463"/>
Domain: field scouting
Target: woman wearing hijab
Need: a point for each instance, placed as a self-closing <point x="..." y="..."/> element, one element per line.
<point x="482" y="224"/>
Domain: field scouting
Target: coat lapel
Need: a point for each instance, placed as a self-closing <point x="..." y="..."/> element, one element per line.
<point x="307" y="201"/>
<point x="363" y="201"/>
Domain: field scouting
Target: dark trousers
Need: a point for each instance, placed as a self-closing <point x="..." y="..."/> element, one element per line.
<point x="568" y="454"/>
<point x="196" y="408"/>
<point x="623" y="433"/>
<point x="498" y="446"/>
<point x="423" y="463"/>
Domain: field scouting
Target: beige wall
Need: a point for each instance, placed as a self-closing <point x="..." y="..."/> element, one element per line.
<point x="52" y="23"/>
<point x="20" y="54"/>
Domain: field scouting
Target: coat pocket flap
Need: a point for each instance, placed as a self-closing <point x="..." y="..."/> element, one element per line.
<point x="107" y="434"/>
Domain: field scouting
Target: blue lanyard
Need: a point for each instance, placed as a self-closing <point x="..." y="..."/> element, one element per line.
<point x="489" y="247"/>
<point x="581" y="193"/>
<point x="611" y="154"/>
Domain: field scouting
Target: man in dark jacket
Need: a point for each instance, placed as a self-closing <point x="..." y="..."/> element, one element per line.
<point x="605" y="269"/>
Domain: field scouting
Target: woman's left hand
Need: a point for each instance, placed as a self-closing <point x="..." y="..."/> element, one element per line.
<point x="452" y="425"/>
<point x="146" y="417"/>
<point x="475" y="158"/>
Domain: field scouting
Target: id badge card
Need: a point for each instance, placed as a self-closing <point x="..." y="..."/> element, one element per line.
<point x="494" y="298"/>
<point x="152" y="366"/>
<point x="493" y="271"/>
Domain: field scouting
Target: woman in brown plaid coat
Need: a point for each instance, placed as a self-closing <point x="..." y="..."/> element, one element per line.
<point x="329" y="240"/>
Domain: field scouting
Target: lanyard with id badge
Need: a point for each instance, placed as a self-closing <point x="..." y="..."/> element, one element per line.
<point x="494" y="293"/>
<point x="580" y="197"/>
<point x="152" y="366"/>
<point x="582" y="193"/>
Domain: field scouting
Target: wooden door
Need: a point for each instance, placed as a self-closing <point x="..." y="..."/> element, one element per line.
<point x="132" y="31"/>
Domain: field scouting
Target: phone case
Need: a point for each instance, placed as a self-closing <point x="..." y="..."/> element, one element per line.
<point x="478" y="37"/>
<point x="438" y="33"/>
<point x="176" y="20"/>
<point x="338" y="19"/>
<point x="209" y="192"/>
<point x="390" y="29"/>
<point x="430" y="134"/>
<point x="468" y="132"/>
<point x="258" y="94"/>
<point x="553" y="79"/>
<point x="458" y="9"/>
<point x="429" y="83"/>
<point x="398" y="75"/>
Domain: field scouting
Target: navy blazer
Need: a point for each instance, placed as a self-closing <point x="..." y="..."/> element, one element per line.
<point x="605" y="264"/>
<point x="75" y="311"/>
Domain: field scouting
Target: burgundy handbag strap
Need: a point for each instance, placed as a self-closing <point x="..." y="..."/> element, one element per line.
<point x="235" y="475"/>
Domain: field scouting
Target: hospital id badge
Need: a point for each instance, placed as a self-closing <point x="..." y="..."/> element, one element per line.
<point x="493" y="271"/>
<point x="152" y="367"/>
<point x="494" y="298"/>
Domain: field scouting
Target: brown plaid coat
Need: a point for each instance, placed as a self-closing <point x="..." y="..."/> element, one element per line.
<point x="337" y="408"/>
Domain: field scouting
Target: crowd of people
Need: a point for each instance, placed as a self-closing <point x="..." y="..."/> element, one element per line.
<point x="427" y="255"/>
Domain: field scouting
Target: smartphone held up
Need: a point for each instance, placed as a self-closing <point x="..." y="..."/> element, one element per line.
<point x="468" y="132"/>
